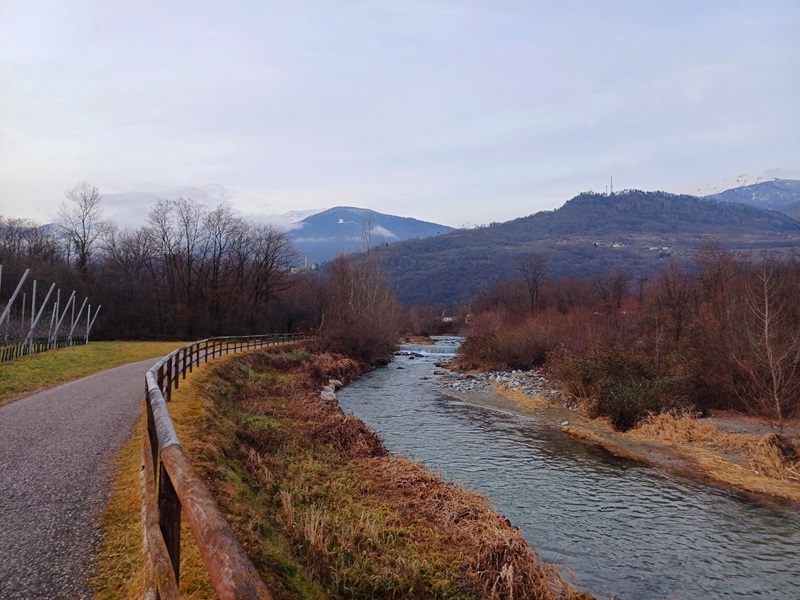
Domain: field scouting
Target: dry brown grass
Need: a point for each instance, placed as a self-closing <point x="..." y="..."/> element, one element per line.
<point x="685" y="429"/>
<point x="492" y="555"/>
<point x="120" y="566"/>
<point x="777" y="456"/>
<point x="363" y="524"/>
<point x="768" y="465"/>
<point x="522" y="399"/>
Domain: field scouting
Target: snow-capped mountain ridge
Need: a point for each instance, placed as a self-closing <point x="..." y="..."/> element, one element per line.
<point x="782" y="195"/>
<point x="731" y="183"/>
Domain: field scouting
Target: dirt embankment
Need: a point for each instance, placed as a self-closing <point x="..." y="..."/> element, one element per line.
<point x="731" y="449"/>
<point x="325" y="511"/>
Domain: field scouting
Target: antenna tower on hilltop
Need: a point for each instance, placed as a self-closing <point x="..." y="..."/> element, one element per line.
<point x="612" y="185"/>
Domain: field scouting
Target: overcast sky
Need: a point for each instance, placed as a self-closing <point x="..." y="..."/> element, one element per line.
<point x="449" y="111"/>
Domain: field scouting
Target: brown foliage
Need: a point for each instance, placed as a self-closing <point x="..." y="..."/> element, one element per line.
<point x="724" y="335"/>
<point x="358" y="315"/>
<point x="365" y="524"/>
<point x="777" y="456"/>
<point x="499" y="563"/>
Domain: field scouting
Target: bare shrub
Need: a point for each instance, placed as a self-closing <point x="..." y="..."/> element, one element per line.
<point x="358" y="315"/>
<point x="617" y="383"/>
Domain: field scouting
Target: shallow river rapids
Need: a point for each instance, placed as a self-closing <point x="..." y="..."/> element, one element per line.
<point x="620" y="528"/>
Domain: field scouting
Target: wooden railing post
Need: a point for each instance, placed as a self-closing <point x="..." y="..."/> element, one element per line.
<point x="151" y="431"/>
<point x="169" y="517"/>
<point x="169" y="381"/>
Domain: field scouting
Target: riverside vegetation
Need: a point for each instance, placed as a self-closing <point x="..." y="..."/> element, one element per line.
<point x="322" y="508"/>
<point x="721" y="339"/>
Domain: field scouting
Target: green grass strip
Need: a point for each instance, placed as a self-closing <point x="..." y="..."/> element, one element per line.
<point x="41" y="371"/>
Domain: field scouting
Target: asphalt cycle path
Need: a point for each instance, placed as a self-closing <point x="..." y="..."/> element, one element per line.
<point x="57" y="452"/>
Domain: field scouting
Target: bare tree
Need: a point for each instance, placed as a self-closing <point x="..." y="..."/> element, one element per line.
<point x="533" y="269"/>
<point x="771" y="354"/>
<point x="673" y="295"/>
<point x="271" y="258"/>
<point x="80" y="219"/>
<point x="357" y="313"/>
<point x="612" y="287"/>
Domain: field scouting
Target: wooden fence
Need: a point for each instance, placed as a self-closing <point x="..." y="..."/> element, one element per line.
<point x="169" y="483"/>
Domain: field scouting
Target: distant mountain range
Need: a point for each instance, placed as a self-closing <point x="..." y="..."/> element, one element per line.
<point x="429" y="263"/>
<point x="776" y="194"/>
<point x="589" y="235"/>
<point x="323" y="235"/>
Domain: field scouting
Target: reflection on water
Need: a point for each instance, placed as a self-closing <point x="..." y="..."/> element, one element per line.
<point x="619" y="527"/>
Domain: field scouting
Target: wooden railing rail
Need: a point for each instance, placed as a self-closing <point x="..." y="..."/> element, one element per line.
<point x="170" y="483"/>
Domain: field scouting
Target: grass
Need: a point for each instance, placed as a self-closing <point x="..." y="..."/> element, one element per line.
<point x="767" y="465"/>
<point x="120" y="565"/>
<point x="529" y="403"/>
<point x="317" y="502"/>
<point x="41" y="371"/>
<point x="324" y="511"/>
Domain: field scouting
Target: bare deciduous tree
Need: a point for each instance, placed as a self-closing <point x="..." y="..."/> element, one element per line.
<point x="533" y="269"/>
<point x="80" y="219"/>
<point x="673" y="295"/>
<point x="612" y="287"/>
<point x="771" y="354"/>
<point x="357" y="313"/>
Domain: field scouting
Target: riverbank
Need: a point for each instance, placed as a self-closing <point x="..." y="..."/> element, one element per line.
<point x="729" y="449"/>
<point x="325" y="511"/>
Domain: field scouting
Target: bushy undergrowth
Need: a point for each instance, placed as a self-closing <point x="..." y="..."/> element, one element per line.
<point x="361" y="523"/>
<point x="723" y="334"/>
<point x="496" y="341"/>
<point x="621" y="385"/>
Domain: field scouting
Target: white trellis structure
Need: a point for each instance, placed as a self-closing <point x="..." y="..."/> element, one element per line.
<point x="22" y="329"/>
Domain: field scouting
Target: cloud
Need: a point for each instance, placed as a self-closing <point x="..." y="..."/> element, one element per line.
<point x="383" y="232"/>
<point x="453" y="111"/>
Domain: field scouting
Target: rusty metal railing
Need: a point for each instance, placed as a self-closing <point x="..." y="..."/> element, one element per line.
<point x="170" y="483"/>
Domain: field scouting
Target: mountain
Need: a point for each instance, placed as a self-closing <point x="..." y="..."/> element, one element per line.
<point x="589" y="235"/>
<point x="776" y="194"/>
<point x="726" y="184"/>
<point x="322" y="236"/>
<point x="289" y="220"/>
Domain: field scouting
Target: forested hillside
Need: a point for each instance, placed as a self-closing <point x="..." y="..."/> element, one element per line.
<point x="590" y="235"/>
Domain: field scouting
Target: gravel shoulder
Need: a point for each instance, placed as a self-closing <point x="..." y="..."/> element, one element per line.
<point x="57" y="452"/>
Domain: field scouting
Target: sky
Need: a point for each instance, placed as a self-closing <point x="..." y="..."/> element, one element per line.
<point x="458" y="112"/>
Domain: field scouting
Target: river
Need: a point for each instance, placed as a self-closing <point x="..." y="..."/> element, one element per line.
<point x="615" y="527"/>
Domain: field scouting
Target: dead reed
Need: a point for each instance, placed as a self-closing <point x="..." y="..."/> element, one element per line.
<point x="684" y="428"/>
<point x="777" y="456"/>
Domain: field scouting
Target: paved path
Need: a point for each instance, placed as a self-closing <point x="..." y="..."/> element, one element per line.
<point x="57" y="449"/>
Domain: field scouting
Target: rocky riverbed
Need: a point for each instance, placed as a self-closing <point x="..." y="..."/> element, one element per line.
<point x="532" y="384"/>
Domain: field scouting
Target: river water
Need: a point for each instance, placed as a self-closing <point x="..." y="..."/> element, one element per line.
<point x="618" y="527"/>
